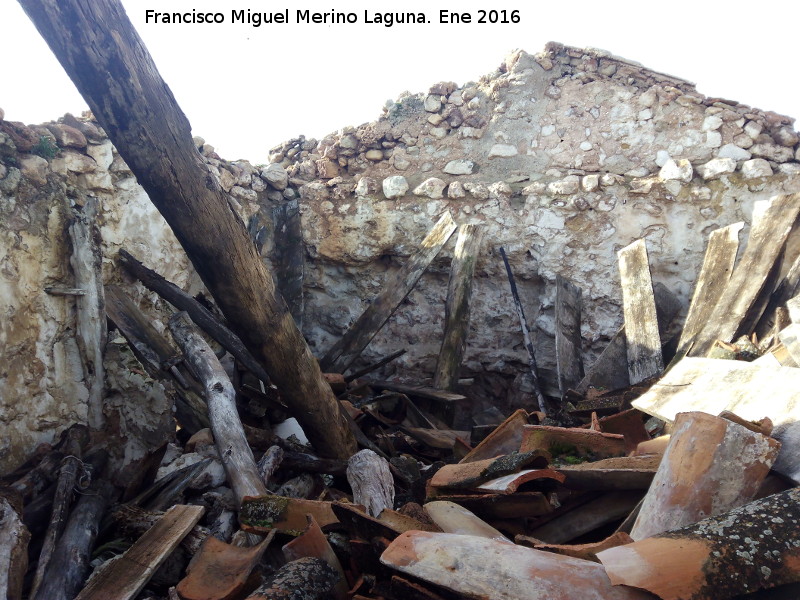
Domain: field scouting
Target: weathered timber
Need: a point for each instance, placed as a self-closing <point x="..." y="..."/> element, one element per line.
<point x="229" y="437"/>
<point x="610" y="370"/>
<point x="112" y="69"/>
<point x="457" y="306"/>
<point x="125" y="577"/>
<point x="201" y="316"/>
<point x="166" y="491"/>
<point x="64" y="291"/>
<point x="526" y="336"/>
<point x="344" y="352"/>
<point x="135" y="522"/>
<point x="751" y="391"/>
<point x="569" y="361"/>
<point x="419" y="391"/>
<point x="730" y="555"/>
<point x="87" y="266"/>
<point x="787" y="288"/>
<point x="587" y="517"/>
<point x="642" y="340"/>
<point x="712" y="465"/>
<point x="71" y="469"/>
<point x="371" y="481"/>
<point x="374" y="366"/>
<point x="69" y="566"/>
<point x="269" y="463"/>
<point x="460" y="563"/>
<point x="288" y="257"/>
<point x="720" y="256"/>
<point x="767" y="237"/>
<point x="302" y="579"/>
<point x="14" y="538"/>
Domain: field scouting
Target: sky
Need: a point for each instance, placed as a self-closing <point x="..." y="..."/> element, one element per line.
<point x="245" y="89"/>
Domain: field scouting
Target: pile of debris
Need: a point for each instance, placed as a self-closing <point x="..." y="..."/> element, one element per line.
<point x="584" y="498"/>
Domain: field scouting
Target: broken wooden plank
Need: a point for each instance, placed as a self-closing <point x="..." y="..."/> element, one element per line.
<point x="609" y="371"/>
<point x="583" y="519"/>
<point x="719" y="557"/>
<point x="462" y="564"/>
<point x="229" y="437"/>
<point x="751" y="391"/>
<point x="374" y="366"/>
<point x="711" y="465"/>
<point x="87" y="266"/>
<point x="344" y="352"/>
<point x="457" y="305"/>
<point x="569" y="355"/>
<point x="764" y="244"/>
<point x="720" y="256"/>
<point x="526" y="335"/>
<point x="643" y="343"/>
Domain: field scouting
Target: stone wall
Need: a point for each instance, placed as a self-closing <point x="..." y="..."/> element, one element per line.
<point x="565" y="156"/>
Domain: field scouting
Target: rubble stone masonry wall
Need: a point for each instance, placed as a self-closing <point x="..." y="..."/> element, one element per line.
<point x="565" y="157"/>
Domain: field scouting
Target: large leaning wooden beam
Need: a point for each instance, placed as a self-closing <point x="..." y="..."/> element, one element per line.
<point x="108" y="62"/>
<point x="349" y="347"/>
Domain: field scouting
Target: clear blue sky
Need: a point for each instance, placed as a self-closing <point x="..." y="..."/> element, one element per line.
<point x="247" y="88"/>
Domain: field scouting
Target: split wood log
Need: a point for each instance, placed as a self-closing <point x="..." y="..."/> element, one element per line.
<point x="288" y="257"/>
<point x="731" y="555"/>
<point x="269" y="463"/>
<point x="14" y="538"/>
<point x="112" y="69"/>
<point x="374" y="366"/>
<point x="126" y="576"/>
<point x="764" y="244"/>
<point x="87" y="266"/>
<point x="371" y="480"/>
<point x="200" y="315"/>
<point x="302" y="579"/>
<point x="457" y="307"/>
<point x="461" y="564"/>
<point x="526" y="336"/>
<point x="711" y="466"/>
<point x="229" y="437"/>
<point x="751" y="391"/>
<point x="720" y="256"/>
<point x="344" y="352"/>
<point x="641" y="324"/>
<point x="569" y="361"/>
<point x="69" y="566"/>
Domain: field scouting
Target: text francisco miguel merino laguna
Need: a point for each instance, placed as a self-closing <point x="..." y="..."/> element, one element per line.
<point x="331" y="17"/>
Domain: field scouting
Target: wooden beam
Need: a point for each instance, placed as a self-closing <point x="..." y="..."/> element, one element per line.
<point x="229" y="437"/>
<point x="344" y="352"/>
<point x="720" y="256"/>
<point x="569" y="359"/>
<point x="288" y="256"/>
<point x="87" y="266"/>
<point x="126" y="576"/>
<point x="764" y="244"/>
<point x="641" y="324"/>
<point x="457" y="307"/>
<point x="526" y="335"/>
<point x="114" y="72"/>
